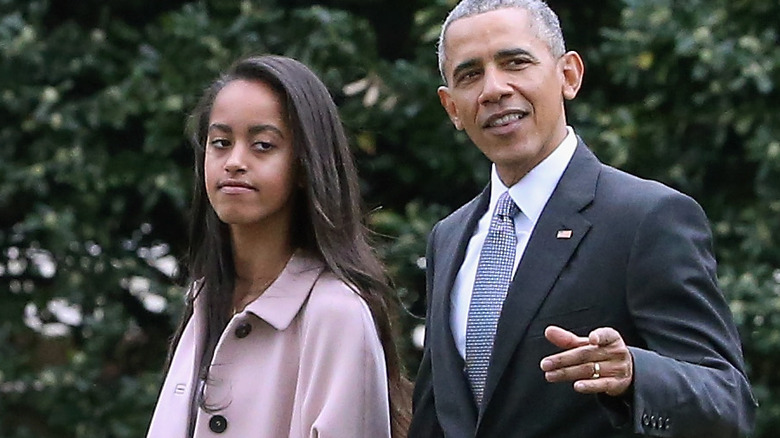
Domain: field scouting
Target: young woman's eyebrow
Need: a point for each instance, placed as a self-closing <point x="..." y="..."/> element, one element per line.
<point x="220" y="127"/>
<point x="256" y="129"/>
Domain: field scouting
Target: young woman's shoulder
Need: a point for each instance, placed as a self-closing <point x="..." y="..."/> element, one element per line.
<point x="333" y="303"/>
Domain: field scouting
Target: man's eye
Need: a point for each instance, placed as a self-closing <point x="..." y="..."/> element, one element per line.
<point x="517" y="62"/>
<point x="468" y="76"/>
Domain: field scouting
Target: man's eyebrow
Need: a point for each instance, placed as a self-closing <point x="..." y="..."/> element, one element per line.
<point x="501" y="54"/>
<point x="509" y="53"/>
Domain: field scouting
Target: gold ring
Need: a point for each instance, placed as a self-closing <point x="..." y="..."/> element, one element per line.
<point x="596" y="371"/>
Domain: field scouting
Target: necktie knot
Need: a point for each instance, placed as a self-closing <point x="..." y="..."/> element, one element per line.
<point x="506" y="207"/>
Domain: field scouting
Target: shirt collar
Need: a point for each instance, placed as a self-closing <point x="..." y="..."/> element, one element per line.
<point x="533" y="191"/>
<point x="284" y="298"/>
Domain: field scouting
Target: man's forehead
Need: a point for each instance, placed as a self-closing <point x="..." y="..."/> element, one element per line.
<point x="482" y="45"/>
<point x="502" y="27"/>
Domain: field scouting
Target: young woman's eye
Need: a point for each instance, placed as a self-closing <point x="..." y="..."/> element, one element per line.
<point x="263" y="146"/>
<point x="219" y="143"/>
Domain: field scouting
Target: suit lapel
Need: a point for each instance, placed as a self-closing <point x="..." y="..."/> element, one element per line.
<point x="545" y="256"/>
<point x="454" y="236"/>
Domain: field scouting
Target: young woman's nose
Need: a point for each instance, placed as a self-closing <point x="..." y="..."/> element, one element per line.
<point x="236" y="159"/>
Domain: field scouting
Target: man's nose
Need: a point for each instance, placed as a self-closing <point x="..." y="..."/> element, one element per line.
<point x="494" y="86"/>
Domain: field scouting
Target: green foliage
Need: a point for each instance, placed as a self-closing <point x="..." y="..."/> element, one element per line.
<point x="95" y="171"/>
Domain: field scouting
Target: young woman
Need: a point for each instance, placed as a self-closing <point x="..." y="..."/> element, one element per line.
<point x="287" y="329"/>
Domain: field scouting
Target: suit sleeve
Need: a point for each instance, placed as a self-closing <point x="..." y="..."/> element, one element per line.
<point x="342" y="387"/>
<point x="689" y="377"/>
<point x="425" y="423"/>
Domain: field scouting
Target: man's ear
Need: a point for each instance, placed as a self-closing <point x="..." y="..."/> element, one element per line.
<point x="573" y="71"/>
<point x="449" y="106"/>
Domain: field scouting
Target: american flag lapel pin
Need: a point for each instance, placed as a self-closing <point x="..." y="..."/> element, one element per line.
<point x="563" y="234"/>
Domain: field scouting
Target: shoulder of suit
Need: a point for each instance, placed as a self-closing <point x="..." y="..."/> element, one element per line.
<point x="617" y="178"/>
<point x="633" y="191"/>
<point x="463" y="212"/>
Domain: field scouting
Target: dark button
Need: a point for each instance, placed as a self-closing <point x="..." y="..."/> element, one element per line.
<point x="667" y="423"/>
<point x="653" y="422"/>
<point x="243" y="330"/>
<point x="645" y="420"/>
<point x="218" y="424"/>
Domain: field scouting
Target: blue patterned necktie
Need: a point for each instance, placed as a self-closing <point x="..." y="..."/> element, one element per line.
<point x="494" y="273"/>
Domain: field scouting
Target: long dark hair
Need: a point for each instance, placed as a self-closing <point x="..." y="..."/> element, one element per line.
<point x="328" y="217"/>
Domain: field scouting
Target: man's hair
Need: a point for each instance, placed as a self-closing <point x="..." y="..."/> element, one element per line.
<point x="548" y="27"/>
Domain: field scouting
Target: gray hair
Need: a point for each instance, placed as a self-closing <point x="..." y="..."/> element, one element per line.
<point x="547" y="25"/>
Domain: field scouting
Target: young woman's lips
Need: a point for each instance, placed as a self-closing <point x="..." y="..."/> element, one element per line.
<point x="235" y="187"/>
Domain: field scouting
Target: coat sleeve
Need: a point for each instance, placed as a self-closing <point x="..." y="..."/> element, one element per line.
<point x="689" y="377"/>
<point x="342" y="389"/>
<point x="425" y="423"/>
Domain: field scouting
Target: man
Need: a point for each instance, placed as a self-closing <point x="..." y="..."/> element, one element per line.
<point x="569" y="299"/>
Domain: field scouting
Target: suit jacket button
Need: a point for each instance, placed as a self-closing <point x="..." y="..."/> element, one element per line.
<point x="645" y="420"/>
<point x="243" y="330"/>
<point x="218" y="424"/>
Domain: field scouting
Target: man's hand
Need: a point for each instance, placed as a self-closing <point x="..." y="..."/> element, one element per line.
<point x="599" y="363"/>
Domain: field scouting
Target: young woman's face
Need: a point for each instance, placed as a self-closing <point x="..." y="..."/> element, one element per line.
<point x="250" y="170"/>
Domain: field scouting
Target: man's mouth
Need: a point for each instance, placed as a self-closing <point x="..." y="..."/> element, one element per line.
<point x="506" y="119"/>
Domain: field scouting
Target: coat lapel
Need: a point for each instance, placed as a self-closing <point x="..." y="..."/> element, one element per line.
<point x="545" y="256"/>
<point x="454" y="235"/>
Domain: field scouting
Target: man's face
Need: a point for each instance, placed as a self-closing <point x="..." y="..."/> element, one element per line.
<point x="506" y="89"/>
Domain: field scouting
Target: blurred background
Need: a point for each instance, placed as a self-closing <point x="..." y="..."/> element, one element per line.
<point x="95" y="173"/>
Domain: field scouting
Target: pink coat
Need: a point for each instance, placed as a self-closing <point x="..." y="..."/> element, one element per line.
<point x="304" y="360"/>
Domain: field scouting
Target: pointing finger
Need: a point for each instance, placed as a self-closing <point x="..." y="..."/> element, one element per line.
<point x="563" y="338"/>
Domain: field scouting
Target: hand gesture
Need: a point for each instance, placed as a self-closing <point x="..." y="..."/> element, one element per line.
<point x="599" y="363"/>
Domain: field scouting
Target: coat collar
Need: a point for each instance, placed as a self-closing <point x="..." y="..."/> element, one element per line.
<point x="284" y="298"/>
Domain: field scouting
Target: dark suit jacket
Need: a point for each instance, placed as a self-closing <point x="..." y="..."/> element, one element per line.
<point x="639" y="260"/>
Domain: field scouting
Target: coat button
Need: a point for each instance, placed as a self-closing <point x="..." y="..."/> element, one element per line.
<point x="667" y="423"/>
<point x="645" y="420"/>
<point x="243" y="330"/>
<point x="218" y="424"/>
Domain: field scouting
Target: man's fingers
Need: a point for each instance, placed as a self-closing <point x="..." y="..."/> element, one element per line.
<point x="572" y="345"/>
<point x="569" y="358"/>
<point x="563" y="338"/>
<point x="575" y="372"/>
<point x="604" y="336"/>
<point x="603" y="346"/>
<point x="611" y="386"/>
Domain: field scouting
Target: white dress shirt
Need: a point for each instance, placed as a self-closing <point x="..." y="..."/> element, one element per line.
<point x="530" y="194"/>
